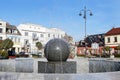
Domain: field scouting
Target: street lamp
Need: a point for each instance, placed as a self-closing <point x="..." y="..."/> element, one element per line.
<point x="84" y="16"/>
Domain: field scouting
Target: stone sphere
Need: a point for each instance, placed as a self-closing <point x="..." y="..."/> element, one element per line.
<point x="57" y="50"/>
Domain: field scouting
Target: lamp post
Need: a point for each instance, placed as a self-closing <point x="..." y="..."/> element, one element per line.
<point x="85" y="17"/>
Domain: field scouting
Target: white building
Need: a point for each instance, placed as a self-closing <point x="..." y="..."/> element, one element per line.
<point x="2" y="30"/>
<point x="10" y="31"/>
<point x="32" y="33"/>
<point x="26" y="35"/>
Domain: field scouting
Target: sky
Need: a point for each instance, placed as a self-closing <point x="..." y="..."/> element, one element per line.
<point x="64" y="14"/>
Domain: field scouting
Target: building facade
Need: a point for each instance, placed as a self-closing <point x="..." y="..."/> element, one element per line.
<point x="32" y="33"/>
<point x="25" y="36"/>
<point x="112" y="38"/>
<point x="3" y="25"/>
<point x="10" y="31"/>
<point x="94" y="44"/>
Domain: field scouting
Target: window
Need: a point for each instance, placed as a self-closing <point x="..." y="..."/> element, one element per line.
<point x="15" y="31"/>
<point x="0" y="38"/>
<point x="48" y="35"/>
<point x="0" y="30"/>
<point x="115" y="39"/>
<point x="15" y="39"/>
<point x="26" y="33"/>
<point x="18" y="39"/>
<point x="26" y="41"/>
<point x="9" y="31"/>
<point x="53" y="35"/>
<point x="61" y="36"/>
<point x="41" y="35"/>
<point x="34" y="35"/>
<point x="18" y="49"/>
<point x="11" y="38"/>
<point x="108" y="39"/>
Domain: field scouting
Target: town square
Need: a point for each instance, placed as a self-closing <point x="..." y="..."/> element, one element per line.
<point x="59" y="40"/>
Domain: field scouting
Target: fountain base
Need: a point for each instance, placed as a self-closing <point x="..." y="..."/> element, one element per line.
<point x="103" y="65"/>
<point x="57" y="67"/>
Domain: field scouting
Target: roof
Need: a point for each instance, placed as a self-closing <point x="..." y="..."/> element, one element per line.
<point x="113" y="31"/>
<point x="99" y="38"/>
<point x="12" y="27"/>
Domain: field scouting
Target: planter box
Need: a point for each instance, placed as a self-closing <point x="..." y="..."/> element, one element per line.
<point x="12" y="57"/>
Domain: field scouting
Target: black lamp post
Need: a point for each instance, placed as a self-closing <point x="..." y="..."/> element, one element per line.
<point x="85" y="17"/>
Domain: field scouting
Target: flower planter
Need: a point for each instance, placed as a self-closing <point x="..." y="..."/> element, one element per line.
<point x="12" y="57"/>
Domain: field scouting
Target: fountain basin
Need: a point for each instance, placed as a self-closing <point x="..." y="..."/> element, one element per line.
<point x="103" y="65"/>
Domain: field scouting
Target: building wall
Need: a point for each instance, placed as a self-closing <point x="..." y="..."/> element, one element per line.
<point x="112" y="41"/>
<point x="16" y="41"/>
<point x="90" y="51"/>
<point x="40" y="33"/>
<point x="14" y="37"/>
<point x="3" y="27"/>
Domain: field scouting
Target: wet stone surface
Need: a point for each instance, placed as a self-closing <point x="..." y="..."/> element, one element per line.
<point x="104" y="65"/>
<point x="24" y="65"/>
<point x="57" y="67"/>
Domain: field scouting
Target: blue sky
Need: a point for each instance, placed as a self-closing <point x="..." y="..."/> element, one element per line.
<point x="63" y="14"/>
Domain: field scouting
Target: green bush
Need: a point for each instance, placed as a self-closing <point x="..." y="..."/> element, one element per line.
<point x="6" y="44"/>
<point x="117" y="55"/>
<point x="35" y="55"/>
<point x="24" y="55"/>
<point x="17" y="55"/>
<point x="105" y="55"/>
<point x="97" y="55"/>
<point x="81" y="55"/>
<point x="3" y="54"/>
<point x="39" y="45"/>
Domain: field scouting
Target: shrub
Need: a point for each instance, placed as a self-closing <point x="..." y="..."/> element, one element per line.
<point x="81" y="55"/>
<point x="3" y="54"/>
<point x="26" y="55"/>
<point x="105" y="55"/>
<point x="17" y="55"/>
<point x="97" y="55"/>
<point x="22" y="55"/>
<point x="6" y="44"/>
<point x="35" y="55"/>
<point x="39" y="45"/>
<point x="117" y="55"/>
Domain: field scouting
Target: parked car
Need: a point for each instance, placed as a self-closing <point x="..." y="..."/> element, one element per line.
<point x="21" y="53"/>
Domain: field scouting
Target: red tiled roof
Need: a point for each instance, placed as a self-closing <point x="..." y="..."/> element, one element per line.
<point x="113" y="31"/>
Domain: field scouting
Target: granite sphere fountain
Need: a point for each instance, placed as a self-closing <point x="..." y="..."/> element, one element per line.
<point x="57" y="52"/>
